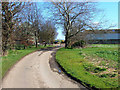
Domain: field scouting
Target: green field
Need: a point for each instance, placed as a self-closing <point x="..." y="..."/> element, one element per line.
<point x="95" y="65"/>
<point x="15" y="55"/>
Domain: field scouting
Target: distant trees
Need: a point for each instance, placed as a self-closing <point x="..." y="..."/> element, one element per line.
<point x="23" y="34"/>
<point x="22" y="24"/>
<point x="35" y="18"/>
<point x="47" y="33"/>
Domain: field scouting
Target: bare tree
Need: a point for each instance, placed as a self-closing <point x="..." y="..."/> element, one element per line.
<point x="23" y="34"/>
<point x="35" y="18"/>
<point x="74" y="15"/>
<point x="47" y="33"/>
<point x="9" y="17"/>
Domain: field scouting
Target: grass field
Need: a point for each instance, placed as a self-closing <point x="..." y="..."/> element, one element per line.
<point x="13" y="56"/>
<point x="95" y="65"/>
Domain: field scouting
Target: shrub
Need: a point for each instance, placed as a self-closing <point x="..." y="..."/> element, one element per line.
<point x="80" y="43"/>
<point x="19" y="47"/>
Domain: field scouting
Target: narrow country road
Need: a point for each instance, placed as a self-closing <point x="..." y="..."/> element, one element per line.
<point x="33" y="71"/>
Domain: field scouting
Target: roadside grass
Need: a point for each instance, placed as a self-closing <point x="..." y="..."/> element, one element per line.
<point x="105" y="45"/>
<point x="15" y="55"/>
<point x="96" y="70"/>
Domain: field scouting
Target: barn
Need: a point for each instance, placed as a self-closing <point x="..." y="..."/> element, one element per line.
<point x="111" y="36"/>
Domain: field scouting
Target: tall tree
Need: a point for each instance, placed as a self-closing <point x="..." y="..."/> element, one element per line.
<point x="74" y="14"/>
<point x="9" y="17"/>
<point x="35" y="18"/>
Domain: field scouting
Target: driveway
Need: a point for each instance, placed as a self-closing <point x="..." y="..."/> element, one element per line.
<point x="34" y="71"/>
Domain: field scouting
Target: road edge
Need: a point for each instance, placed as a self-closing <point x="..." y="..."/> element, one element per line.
<point x="87" y="86"/>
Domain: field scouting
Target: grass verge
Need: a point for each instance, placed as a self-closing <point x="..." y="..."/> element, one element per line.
<point x="96" y="70"/>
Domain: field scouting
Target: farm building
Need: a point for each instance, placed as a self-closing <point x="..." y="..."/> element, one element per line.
<point x="111" y="36"/>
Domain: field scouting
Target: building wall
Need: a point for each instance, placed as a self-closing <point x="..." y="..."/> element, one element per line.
<point x="110" y="37"/>
<point x="104" y="36"/>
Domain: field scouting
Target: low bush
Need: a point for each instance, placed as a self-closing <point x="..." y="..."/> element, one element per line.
<point x="80" y="43"/>
<point x="19" y="47"/>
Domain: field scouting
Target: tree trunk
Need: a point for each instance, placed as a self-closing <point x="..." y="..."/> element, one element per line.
<point x="66" y="40"/>
<point x="4" y="48"/>
<point x="36" y="44"/>
<point x="45" y="44"/>
<point x="4" y="51"/>
<point x="24" y="47"/>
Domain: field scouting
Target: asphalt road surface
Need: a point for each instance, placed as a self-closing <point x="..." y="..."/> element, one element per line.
<point x="33" y="71"/>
